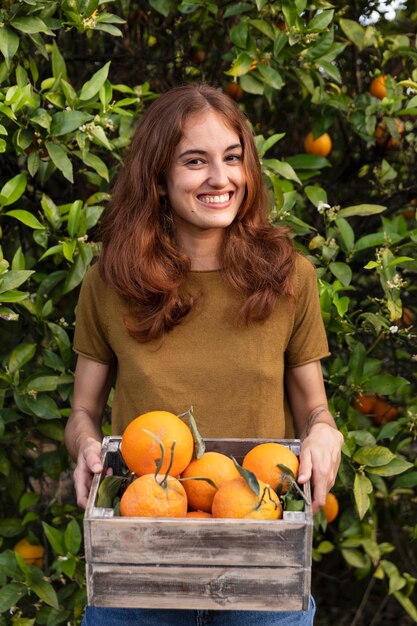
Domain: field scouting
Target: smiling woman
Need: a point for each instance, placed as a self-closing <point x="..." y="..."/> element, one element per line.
<point x="198" y="300"/>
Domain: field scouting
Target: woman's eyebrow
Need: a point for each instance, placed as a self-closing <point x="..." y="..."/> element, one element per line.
<point x="204" y="152"/>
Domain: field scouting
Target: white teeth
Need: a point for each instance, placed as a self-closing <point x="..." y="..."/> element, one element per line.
<point x="215" y="199"/>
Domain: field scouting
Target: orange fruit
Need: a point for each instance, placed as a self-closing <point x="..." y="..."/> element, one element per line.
<point x="198" y="514"/>
<point x="140" y="450"/>
<point x="214" y="465"/>
<point x="235" y="499"/>
<point x="32" y="553"/>
<point x="364" y="403"/>
<point x="407" y="318"/>
<point x="331" y="508"/>
<point x="263" y="460"/>
<point x="234" y="90"/>
<point x="383" y="412"/>
<point x="377" y="87"/>
<point x="148" y="496"/>
<point x="384" y="138"/>
<point x="321" y="146"/>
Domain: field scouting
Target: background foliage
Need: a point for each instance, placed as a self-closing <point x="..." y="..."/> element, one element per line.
<point x="75" y="75"/>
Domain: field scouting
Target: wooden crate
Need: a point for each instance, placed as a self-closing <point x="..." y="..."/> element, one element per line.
<point x="184" y="563"/>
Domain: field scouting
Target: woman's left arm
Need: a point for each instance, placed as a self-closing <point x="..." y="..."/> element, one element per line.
<point x="322" y="441"/>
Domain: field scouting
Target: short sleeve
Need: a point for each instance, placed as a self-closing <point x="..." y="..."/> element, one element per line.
<point x="91" y="331"/>
<point x="308" y="340"/>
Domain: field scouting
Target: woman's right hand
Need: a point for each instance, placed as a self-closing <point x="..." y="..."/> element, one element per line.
<point x="88" y="464"/>
<point x="83" y="430"/>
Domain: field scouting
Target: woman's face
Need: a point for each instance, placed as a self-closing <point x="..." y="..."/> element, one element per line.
<point x="206" y="181"/>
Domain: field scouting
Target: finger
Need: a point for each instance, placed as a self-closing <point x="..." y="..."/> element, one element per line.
<point x="305" y="468"/>
<point x="82" y="489"/>
<point x="93" y="461"/>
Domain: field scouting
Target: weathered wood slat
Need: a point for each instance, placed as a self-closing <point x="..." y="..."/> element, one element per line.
<point x="196" y="588"/>
<point x="220" y="542"/>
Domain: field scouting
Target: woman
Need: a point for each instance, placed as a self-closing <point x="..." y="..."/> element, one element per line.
<point x="197" y="300"/>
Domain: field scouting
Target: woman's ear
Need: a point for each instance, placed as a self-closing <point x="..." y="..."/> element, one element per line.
<point x="162" y="190"/>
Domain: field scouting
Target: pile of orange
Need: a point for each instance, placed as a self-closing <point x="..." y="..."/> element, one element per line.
<point x="380" y="410"/>
<point x="158" y="448"/>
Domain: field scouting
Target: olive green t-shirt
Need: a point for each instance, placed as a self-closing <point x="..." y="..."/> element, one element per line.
<point x="233" y="377"/>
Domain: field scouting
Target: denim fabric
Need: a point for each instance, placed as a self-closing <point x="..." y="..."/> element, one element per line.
<point x="95" y="616"/>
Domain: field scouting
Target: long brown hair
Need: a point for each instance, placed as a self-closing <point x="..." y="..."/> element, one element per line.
<point x="139" y="258"/>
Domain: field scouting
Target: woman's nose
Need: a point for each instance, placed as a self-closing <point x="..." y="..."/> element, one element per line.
<point x="218" y="174"/>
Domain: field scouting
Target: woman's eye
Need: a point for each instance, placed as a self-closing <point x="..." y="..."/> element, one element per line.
<point x="195" y="162"/>
<point x="234" y="157"/>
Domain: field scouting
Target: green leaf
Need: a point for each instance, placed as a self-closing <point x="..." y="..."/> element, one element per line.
<point x="41" y="382"/>
<point x="55" y="538"/>
<point x="355" y="558"/>
<point x="65" y="122"/>
<point x="9" y="43"/>
<point x="394" y="467"/>
<point x="264" y="27"/>
<point x="270" y="76"/>
<point x="282" y="168"/>
<point x="43" y="407"/>
<point x="249" y="477"/>
<point x="74" y="217"/>
<point x="240" y="65"/>
<point x="109" y="488"/>
<point x="347" y="234"/>
<point x="21" y="355"/>
<point x="10" y="595"/>
<point x="384" y="384"/>
<point x="45" y="592"/>
<point x="73" y="537"/>
<point x="353" y="31"/>
<point x="14" y="278"/>
<point x="93" y="86"/>
<point x="100" y="136"/>
<point x="60" y="159"/>
<point x="320" y="21"/>
<point x="13" y="296"/>
<point x="59" y="69"/>
<point x="79" y="267"/>
<point x="316" y="194"/>
<point x="161" y="6"/>
<point x="51" y="211"/>
<point x="307" y="162"/>
<point x="407" y="604"/>
<point x="13" y="189"/>
<point x="251" y="85"/>
<point x="93" y="161"/>
<point x="10" y="526"/>
<point x="26" y="218"/>
<point x="31" y="25"/>
<point x="362" y="487"/>
<point x="362" y="210"/>
<point x="342" y="272"/>
<point x="373" y="456"/>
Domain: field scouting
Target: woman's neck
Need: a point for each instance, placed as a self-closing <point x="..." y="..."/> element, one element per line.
<point x="203" y="251"/>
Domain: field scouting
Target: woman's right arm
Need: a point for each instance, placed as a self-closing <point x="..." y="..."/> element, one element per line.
<point x="83" y="435"/>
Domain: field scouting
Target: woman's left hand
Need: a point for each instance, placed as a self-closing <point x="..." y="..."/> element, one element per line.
<point x="319" y="461"/>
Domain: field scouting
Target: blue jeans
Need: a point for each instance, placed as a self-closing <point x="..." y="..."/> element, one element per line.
<point x="95" y="616"/>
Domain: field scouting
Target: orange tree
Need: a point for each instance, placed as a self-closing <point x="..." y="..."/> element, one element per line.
<point x="75" y="75"/>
